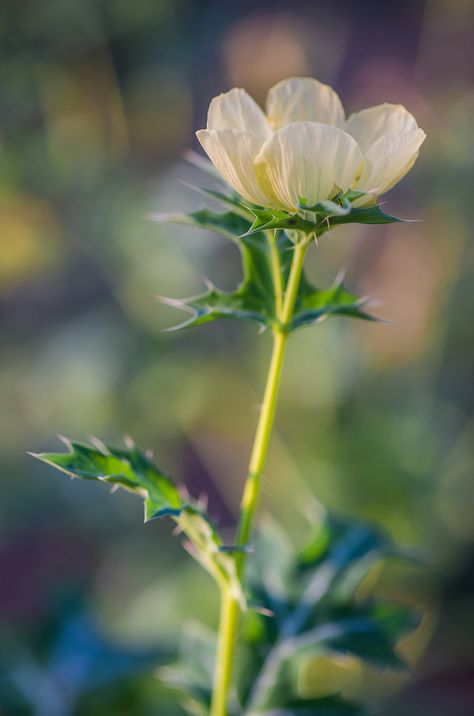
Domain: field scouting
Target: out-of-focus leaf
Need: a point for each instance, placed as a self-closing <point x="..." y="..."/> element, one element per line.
<point x="331" y="706"/>
<point x="192" y="673"/>
<point x="311" y="608"/>
<point x="133" y="470"/>
<point x="68" y="657"/>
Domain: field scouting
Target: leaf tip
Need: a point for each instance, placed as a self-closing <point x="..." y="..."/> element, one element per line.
<point x="36" y="455"/>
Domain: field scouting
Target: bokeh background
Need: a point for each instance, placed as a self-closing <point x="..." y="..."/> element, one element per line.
<point x="98" y="101"/>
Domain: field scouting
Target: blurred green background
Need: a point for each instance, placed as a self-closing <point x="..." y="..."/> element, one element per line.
<point x="98" y="101"/>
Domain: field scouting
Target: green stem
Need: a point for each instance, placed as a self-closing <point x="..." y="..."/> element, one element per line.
<point x="267" y="414"/>
<point x="228" y="622"/>
<point x="276" y="270"/>
<point x="229" y="606"/>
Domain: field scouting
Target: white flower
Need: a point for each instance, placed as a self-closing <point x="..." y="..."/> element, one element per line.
<point x="304" y="148"/>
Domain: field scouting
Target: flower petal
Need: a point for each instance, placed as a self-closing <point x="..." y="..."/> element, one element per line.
<point x="388" y="159"/>
<point x="307" y="160"/>
<point x="237" y="110"/>
<point x="302" y="99"/>
<point x="370" y="124"/>
<point x="233" y="152"/>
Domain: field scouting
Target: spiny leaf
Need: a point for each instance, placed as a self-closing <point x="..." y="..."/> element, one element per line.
<point x="228" y="224"/>
<point x="313" y="304"/>
<point x="129" y="468"/>
<point x="134" y="471"/>
<point x="255" y="300"/>
<point x="230" y="199"/>
<point x="365" y="215"/>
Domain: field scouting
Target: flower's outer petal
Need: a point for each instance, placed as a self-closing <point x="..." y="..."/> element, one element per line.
<point x="307" y="160"/>
<point x="370" y="124"/>
<point x="303" y="99"/>
<point x="387" y="161"/>
<point x="237" y="110"/>
<point x="233" y="152"/>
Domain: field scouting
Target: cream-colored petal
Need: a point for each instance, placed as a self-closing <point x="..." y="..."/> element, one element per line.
<point x="387" y="161"/>
<point x="233" y="152"/>
<point x="237" y="110"/>
<point x="370" y="124"/>
<point x="303" y="99"/>
<point x="307" y="160"/>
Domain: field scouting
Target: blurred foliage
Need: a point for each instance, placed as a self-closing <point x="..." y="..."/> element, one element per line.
<point x="66" y="664"/>
<point x="311" y="608"/>
<point x="98" y="99"/>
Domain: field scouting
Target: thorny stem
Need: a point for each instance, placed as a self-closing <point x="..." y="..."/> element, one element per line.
<point x="230" y="607"/>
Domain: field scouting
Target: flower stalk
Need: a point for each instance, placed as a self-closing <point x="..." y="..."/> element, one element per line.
<point x="230" y="608"/>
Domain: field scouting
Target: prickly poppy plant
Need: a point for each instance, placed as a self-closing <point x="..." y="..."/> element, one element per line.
<point x="288" y="176"/>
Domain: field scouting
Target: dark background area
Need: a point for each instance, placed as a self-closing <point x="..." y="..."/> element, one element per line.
<point x="98" y="102"/>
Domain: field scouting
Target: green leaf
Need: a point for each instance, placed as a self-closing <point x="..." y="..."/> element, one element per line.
<point x="315" y="219"/>
<point x="365" y="215"/>
<point x="192" y="673"/>
<point x="314" y="305"/>
<point x="330" y="706"/>
<point x="360" y="636"/>
<point x="395" y="620"/>
<point x="135" y="471"/>
<point x="66" y="635"/>
<point x="230" y="199"/>
<point x="254" y="299"/>
<point x="130" y="469"/>
<point x="228" y="224"/>
<point x="309" y="607"/>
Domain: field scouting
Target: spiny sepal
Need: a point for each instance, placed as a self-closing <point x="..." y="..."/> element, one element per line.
<point x="320" y="217"/>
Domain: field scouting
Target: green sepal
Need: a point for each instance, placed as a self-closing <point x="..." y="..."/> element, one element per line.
<point x="133" y="470"/>
<point x="320" y="217"/>
<point x="272" y="219"/>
